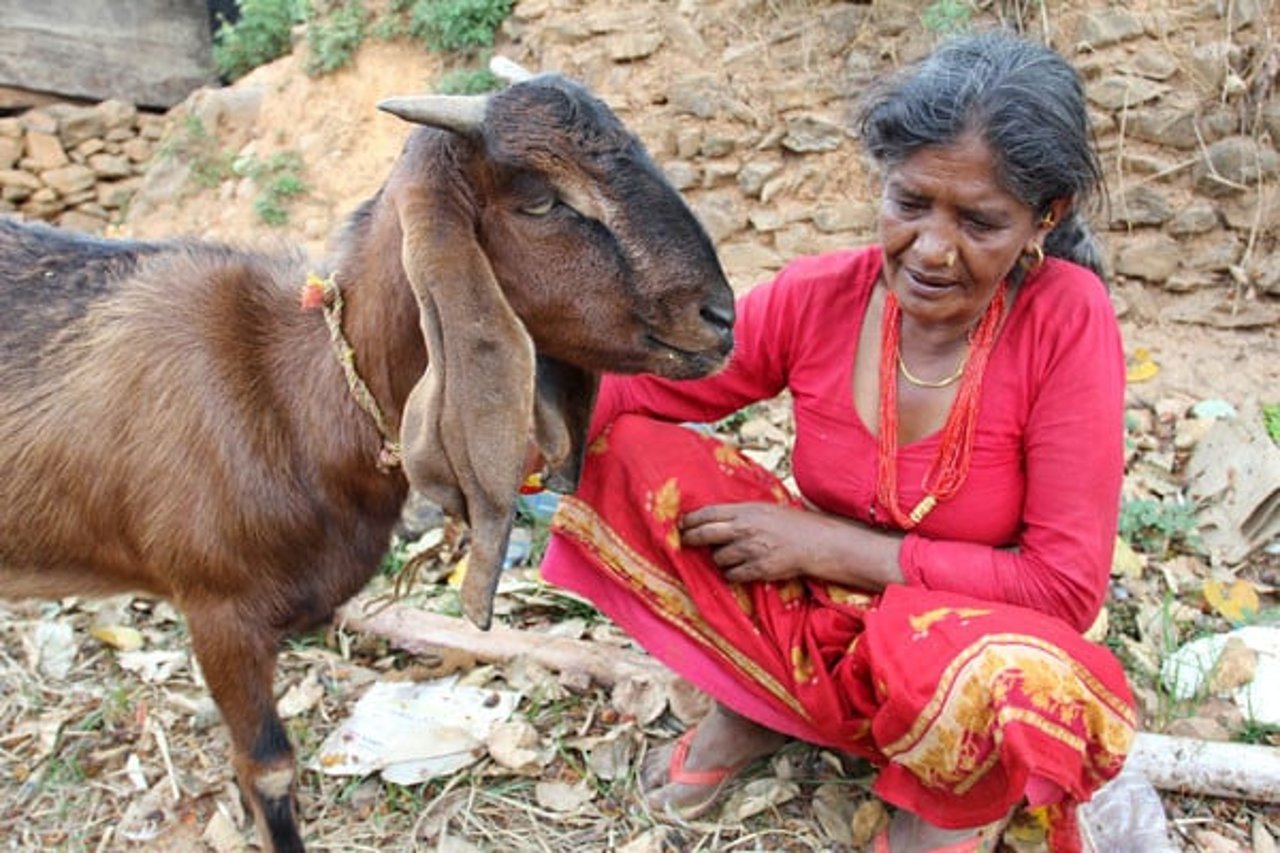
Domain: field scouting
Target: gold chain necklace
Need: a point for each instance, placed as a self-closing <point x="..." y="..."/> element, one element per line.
<point x="925" y="383"/>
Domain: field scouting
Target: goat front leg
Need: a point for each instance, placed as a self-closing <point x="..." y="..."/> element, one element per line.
<point x="238" y="658"/>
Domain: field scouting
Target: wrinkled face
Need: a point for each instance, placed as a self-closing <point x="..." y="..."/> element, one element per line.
<point x="951" y="233"/>
<point x="598" y="254"/>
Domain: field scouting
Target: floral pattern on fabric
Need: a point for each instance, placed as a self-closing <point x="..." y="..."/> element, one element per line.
<point x="958" y="701"/>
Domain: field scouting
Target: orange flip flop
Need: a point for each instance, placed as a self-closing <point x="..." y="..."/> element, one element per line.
<point x="716" y="778"/>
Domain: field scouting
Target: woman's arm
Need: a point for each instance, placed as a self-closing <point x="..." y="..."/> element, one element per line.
<point x="767" y="542"/>
<point x="1073" y="446"/>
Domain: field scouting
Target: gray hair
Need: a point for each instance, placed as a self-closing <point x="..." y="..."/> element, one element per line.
<point x="1024" y="100"/>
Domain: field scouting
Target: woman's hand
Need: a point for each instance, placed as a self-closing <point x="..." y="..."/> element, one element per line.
<point x="767" y="542"/>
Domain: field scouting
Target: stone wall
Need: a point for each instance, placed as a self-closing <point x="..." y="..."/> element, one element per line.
<point x="746" y="104"/>
<point x="77" y="166"/>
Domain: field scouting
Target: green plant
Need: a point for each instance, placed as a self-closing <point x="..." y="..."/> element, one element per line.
<point x="1156" y="526"/>
<point x="393" y="23"/>
<point x="279" y="181"/>
<point x="333" y="37"/>
<point x="468" y="81"/>
<point x="191" y="141"/>
<point x="260" y="35"/>
<point x="461" y="26"/>
<point x="1261" y="733"/>
<point x="945" y="17"/>
<point x="1271" y="419"/>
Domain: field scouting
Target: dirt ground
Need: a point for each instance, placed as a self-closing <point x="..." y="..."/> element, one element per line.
<point x="103" y="750"/>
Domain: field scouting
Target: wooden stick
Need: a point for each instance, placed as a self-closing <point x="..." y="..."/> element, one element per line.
<point x="1170" y="763"/>
<point x="1190" y="766"/>
<point x="422" y="632"/>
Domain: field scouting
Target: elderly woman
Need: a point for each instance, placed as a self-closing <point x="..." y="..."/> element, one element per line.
<point x="958" y="396"/>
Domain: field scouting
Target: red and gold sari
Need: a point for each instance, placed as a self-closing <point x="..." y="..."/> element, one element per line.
<point x="968" y="707"/>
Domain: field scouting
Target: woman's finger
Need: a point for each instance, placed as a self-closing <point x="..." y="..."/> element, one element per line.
<point x="709" y="534"/>
<point x="708" y="514"/>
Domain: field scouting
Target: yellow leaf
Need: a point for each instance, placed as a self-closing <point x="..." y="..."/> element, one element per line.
<point x="1142" y="368"/>
<point x="1237" y="603"/>
<point x="120" y="637"/>
<point x="1125" y="562"/>
<point x="459" y="572"/>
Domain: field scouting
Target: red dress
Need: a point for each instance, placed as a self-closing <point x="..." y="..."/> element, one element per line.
<point x="970" y="681"/>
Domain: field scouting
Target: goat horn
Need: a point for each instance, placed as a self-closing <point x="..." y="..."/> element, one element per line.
<point x="459" y="113"/>
<point x="509" y="70"/>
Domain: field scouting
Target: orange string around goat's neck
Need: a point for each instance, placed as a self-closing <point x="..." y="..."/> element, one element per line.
<point x="950" y="466"/>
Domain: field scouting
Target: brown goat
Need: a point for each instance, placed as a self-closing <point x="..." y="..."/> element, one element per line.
<point x="171" y="422"/>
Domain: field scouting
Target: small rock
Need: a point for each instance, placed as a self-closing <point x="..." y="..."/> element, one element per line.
<point x="45" y="151"/>
<point x="807" y="134"/>
<point x="1108" y="26"/>
<point x="1199" y="728"/>
<point x="1236" y="667"/>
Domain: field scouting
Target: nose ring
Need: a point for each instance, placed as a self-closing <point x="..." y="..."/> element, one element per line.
<point x="951" y="259"/>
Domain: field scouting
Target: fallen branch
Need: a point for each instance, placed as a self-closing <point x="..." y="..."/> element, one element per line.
<point x="1201" y="767"/>
<point x="1180" y="764"/>
<point x="423" y="632"/>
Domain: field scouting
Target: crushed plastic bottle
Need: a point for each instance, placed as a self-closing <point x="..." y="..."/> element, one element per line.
<point x="1126" y="816"/>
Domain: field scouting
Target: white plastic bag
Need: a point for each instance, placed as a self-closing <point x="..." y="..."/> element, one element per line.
<point x="1126" y="816"/>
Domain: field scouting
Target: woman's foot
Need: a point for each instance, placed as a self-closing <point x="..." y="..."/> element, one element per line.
<point x="909" y="833"/>
<point x="685" y="777"/>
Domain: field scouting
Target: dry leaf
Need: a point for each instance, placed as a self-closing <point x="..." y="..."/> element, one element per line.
<point x="562" y="796"/>
<point x="120" y="637"/>
<point x="301" y="697"/>
<point x="1237" y="603"/>
<point x="611" y="758"/>
<point x="639" y="698"/>
<point x="834" y="807"/>
<point x="531" y="678"/>
<point x="222" y="836"/>
<point x="515" y="746"/>
<point x="1182" y="573"/>
<point x="148" y="815"/>
<point x="653" y="840"/>
<point x="1098" y="630"/>
<point x="760" y="795"/>
<point x="1215" y="842"/>
<point x="1126" y="562"/>
<point x="153" y="667"/>
<point x="133" y="772"/>
<point x="1263" y="841"/>
<point x="1236" y="667"/>
<point x="868" y="819"/>
<point x="454" y="844"/>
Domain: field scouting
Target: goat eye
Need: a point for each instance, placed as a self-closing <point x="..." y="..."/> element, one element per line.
<point x="541" y="207"/>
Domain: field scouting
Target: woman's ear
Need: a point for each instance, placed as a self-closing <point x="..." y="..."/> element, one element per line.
<point x="1058" y="210"/>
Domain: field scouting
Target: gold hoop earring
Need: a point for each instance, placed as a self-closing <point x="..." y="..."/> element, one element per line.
<point x="1037" y="253"/>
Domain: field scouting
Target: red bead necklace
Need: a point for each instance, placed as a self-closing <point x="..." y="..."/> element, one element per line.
<point x="950" y="466"/>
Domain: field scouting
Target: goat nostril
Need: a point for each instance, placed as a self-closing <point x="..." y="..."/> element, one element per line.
<point x="716" y="315"/>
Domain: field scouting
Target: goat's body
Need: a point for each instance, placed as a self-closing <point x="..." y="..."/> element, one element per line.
<point x="91" y="450"/>
<point x="157" y="435"/>
<point x="172" y="422"/>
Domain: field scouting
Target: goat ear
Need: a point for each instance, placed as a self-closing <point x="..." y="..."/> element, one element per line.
<point x="565" y="396"/>
<point x="466" y="423"/>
